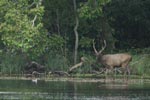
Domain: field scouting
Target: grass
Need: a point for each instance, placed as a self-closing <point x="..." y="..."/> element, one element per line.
<point x="14" y="64"/>
<point x="140" y="65"/>
<point x="11" y="64"/>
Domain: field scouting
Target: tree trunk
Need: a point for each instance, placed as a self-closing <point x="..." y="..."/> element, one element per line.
<point x="57" y="21"/>
<point x="76" y="32"/>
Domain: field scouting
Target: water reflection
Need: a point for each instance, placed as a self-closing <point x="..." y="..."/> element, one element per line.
<point x="67" y="90"/>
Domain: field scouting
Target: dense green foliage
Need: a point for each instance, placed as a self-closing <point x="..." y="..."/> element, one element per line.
<point x="43" y="30"/>
<point x="22" y="29"/>
<point x="130" y="20"/>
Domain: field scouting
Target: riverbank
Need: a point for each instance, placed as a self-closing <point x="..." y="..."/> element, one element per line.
<point x="85" y="78"/>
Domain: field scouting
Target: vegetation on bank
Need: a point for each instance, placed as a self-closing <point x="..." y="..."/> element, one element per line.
<point x="15" y="64"/>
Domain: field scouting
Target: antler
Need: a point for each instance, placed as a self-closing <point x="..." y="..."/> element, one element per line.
<point x="103" y="47"/>
<point x="94" y="48"/>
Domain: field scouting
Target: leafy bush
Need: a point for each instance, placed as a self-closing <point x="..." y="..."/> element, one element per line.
<point x="140" y="64"/>
<point x="11" y="64"/>
<point x="56" y="61"/>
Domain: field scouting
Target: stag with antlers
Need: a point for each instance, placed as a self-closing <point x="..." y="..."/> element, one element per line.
<point x="110" y="61"/>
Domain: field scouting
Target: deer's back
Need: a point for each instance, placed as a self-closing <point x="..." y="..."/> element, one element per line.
<point x="116" y="59"/>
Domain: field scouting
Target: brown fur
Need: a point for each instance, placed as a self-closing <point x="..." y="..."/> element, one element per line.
<point x="113" y="60"/>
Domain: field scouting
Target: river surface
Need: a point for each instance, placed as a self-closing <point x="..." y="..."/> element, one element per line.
<point x="73" y="90"/>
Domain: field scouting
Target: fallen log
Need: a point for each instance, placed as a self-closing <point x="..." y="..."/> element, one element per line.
<point x="58" y="73"/>
<point x="76" y="65"/>
<point x="37" y="74"/>
<point x="32" y="66"/>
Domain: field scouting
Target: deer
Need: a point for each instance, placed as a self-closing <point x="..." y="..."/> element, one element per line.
<point x="110" y="61"/>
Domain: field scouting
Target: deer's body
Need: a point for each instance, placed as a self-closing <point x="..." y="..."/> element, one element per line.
<point x="113" y="60"/>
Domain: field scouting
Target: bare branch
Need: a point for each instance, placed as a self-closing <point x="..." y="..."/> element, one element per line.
<point x="33" y="21"/>
<point x="77" y="65"/>
<point x="31" y="5"/>
<point x="35" y="17"/>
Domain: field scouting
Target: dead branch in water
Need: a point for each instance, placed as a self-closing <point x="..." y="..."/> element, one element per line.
<point x="77" y="65"/>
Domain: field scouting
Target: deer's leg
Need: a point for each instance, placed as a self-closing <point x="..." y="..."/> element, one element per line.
<point x="112" y="69"/>
<point x="124" y="66"/>
<point x="107" y="68"/>
<point x="128" y="69"/>
<point x="126" y="73"/>
<point x="106" y="71"/>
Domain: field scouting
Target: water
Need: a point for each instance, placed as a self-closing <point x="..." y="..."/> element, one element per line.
<point x="73" y="90"/>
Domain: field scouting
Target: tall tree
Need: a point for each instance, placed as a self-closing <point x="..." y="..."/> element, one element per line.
<point x="76" y="32"/>
<point x="59" y="20"/>
<point x="22" y="27"/>
<point x="94" y="22"/>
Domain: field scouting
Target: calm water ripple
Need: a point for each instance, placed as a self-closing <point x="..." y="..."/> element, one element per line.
<point x="65" y="90"/>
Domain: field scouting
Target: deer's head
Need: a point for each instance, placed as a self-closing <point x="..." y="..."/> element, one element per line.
<point x="99" y="53"/>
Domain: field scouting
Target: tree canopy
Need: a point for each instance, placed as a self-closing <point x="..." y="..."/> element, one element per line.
<point x="130" y="20"/>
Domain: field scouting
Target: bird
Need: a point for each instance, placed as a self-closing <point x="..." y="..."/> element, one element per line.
<point x="34" y="80"/>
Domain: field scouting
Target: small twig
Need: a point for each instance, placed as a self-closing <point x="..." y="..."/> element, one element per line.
<point x="31" y="5"/>
<point x="33" y="21"/>
<point x="35" y="17"/>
